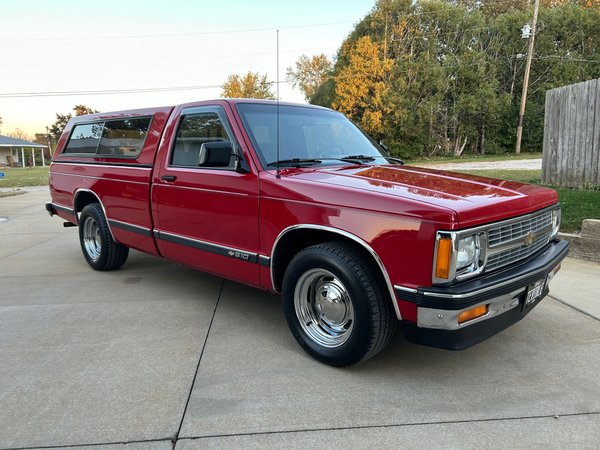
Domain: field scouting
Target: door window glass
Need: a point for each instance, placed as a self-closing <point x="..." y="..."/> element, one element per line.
<point x="195" y="130"/>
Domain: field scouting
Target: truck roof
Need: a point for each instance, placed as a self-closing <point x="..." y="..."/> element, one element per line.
<point x="122" y="114"/>
<point x="151" y="111"/>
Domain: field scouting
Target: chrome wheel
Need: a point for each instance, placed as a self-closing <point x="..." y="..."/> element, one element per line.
<point x="91" y="238"/>
<point x="324" y="308"/>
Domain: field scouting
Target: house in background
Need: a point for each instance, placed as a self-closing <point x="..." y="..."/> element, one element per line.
<point x="19" y="152"/>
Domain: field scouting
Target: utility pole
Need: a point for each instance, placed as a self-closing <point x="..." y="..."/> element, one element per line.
<point x="526" y="79"/>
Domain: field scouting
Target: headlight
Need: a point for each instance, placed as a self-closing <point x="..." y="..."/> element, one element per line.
<point x="466" y="252"/>
<point x="458" y="257"/>
<point x="555" y="222"/>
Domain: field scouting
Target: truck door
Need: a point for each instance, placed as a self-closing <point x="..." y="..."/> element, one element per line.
<point x="206" y="214"/>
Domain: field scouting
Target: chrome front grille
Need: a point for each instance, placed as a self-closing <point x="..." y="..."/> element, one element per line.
<point x="515" y="254"/>
<point x="518" y="230"/>
<point x="517" y="239"/>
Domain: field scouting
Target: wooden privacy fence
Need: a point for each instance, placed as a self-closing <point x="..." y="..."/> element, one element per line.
<point x="571" y="152"/>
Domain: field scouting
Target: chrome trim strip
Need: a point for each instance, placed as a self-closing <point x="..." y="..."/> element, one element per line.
<point x="349" y="236"/>
<point x="212" y="191"/>
<point x="209" y="247"/>
<point x="405" y="289"/>
<point x="144" y="231"/>
<point x="101" y="205"/>
<point x="100" y="163"/>
<point x="264" y="261"/>
<point x="489" y="288"/>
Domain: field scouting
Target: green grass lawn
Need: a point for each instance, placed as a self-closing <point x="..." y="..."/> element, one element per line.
<point x="28" y="176"/>
<point x="524" y="176"/>
<point x="576" y="204"/>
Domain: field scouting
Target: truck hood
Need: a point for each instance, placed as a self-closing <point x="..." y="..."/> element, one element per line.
<point x="475" y="200"/>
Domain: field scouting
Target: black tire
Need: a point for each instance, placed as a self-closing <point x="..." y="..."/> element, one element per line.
<point x="99" y="248"/>
<point x="336" y="305"/>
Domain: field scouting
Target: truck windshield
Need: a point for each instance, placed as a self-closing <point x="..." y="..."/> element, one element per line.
<point x="307" y="136"/>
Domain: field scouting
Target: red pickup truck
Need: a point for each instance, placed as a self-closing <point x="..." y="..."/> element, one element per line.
<point x="295" y="199"/>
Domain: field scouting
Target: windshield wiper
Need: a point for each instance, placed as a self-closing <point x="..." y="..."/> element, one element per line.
<point x="355" y="159"/>
<point x="361" y="158"/>
<point x="398" y="160"/>
<point x="295" y="162"/>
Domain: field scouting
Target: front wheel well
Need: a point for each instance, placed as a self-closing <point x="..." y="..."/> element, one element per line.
<point x="294" y="241"/>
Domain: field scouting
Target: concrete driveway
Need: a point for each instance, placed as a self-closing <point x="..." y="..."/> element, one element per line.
<point x="510" y="164"/>
<point x="158" y="356"/>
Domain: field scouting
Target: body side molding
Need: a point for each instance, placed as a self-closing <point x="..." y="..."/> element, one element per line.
<point x="130" y="227"/>
<point x="211" y="247"/>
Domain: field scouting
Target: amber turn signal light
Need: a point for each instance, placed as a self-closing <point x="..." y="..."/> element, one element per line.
<point x="442" y="263"/>
<point x="473" y="313"/>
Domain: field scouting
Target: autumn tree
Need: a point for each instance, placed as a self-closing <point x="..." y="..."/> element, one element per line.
<point x="250" y="85"/>
<point x="310" y="73"/>
<point x="55" y="130"/>
<point x="360" y="86"/>
<point x="82" y="110"/>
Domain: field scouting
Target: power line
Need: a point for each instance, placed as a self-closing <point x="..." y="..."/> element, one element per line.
<point x="563" y="59"/>
<point x="442" y="65"/>
<point x="173" y="88"/>
<point x="114" y="91"/>
<point x="170" y="88"/>
<point x="105" y="91"/>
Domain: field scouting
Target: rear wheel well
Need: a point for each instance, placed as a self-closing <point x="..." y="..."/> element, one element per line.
<point x="294" y="241"/>
<point x="82" y="199"/>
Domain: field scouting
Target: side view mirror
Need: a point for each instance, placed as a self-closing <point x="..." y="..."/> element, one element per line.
<point x="219" y="153"/>
<point x="215" y="154"/>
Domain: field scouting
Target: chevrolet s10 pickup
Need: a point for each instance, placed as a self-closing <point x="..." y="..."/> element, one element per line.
<point x="296" y="200"/>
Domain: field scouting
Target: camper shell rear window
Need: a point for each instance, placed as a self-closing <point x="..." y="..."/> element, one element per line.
<point x="118" y="138"/>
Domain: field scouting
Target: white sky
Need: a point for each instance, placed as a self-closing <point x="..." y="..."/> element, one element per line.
<point x="67" y="45"/>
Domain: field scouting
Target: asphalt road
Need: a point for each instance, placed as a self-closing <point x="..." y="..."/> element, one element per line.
<point x="157" y="356"/>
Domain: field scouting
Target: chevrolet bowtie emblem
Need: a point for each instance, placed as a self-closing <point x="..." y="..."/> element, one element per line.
<point x="529" y="239"/>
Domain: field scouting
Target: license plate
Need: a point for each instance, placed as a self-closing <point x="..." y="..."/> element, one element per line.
<point x="534" y="292"/>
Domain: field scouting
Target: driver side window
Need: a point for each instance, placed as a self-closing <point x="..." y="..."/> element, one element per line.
<point x="196" y="132"/>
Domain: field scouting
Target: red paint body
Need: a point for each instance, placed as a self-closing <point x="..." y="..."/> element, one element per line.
<point x="395" y="210"/>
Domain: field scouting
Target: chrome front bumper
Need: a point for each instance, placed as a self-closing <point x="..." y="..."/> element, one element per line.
<point x="504" y="293"/>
